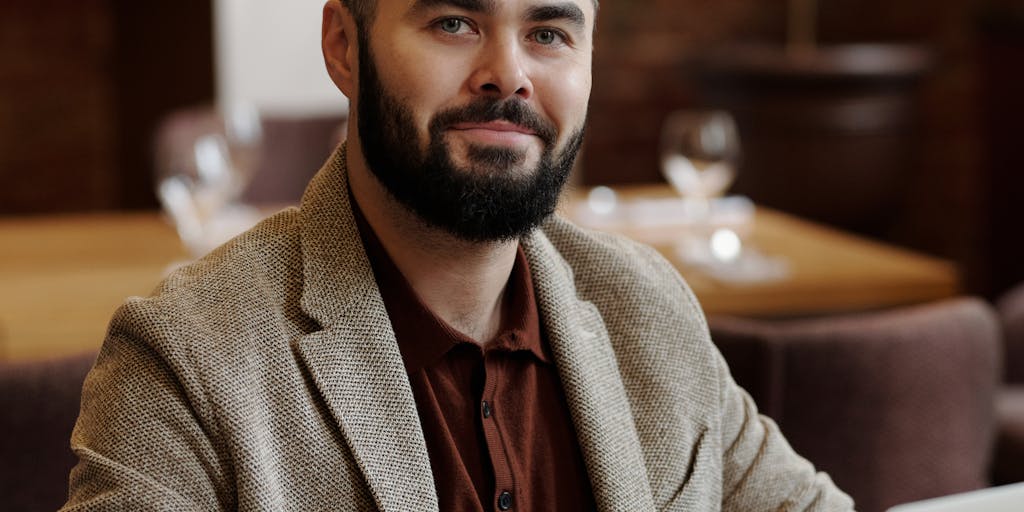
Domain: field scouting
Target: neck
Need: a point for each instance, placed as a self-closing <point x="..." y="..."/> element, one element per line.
<point x="461" y="282"/>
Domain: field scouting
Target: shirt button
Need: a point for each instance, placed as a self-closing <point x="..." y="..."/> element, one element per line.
<point x="505" y="500"/>
<point x="486" y="409"/>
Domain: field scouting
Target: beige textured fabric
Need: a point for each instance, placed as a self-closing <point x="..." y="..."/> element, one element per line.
<point x="266" y="376"/>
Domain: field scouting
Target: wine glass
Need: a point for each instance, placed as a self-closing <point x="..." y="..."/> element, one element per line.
<point x="699" y="155"/>
<point x="204" y="162"/>
<point x="700" y="151"/>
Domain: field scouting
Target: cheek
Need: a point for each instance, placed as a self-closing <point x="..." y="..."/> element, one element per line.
<point x="567" y="96"/>
<point x="414" y="80"/>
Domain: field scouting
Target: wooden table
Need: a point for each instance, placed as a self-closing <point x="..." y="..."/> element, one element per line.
<point x="829" y="270"/>
<point x="62" y="277"/>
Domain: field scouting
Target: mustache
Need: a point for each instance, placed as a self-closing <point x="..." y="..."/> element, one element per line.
<point x="485" y="110"/>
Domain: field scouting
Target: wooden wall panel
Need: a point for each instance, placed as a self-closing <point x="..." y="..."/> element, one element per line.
<point x="82" y="86"/>
<point x="56" y="106"/>
<point x="164" y="62"/>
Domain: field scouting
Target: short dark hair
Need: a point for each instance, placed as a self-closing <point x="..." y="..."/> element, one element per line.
<point x="362" y="11"/>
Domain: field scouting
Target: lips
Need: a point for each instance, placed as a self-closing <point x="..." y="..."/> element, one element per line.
<point x="495" y="126"/>
<point x="501" y="133"/>
<point x="489" y="120"/>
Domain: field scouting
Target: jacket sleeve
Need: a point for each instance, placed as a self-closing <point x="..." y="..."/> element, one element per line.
<point x="760" y="470"/>
<point x="139" y="438"/>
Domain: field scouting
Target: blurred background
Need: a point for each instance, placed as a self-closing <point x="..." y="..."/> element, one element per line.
<point x="85" y="85"/>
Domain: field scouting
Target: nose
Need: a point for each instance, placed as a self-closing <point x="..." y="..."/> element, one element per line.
<point x="500" y="71"/>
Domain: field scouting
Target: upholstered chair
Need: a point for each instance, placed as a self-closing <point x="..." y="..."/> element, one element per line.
<point x="1008" y="466"/>
<point x="287" y="153"/>
<point x="39" y="403"/>
<point x="895" y="405"/>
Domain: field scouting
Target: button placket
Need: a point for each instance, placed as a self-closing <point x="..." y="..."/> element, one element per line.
<point x="504" y="480"/>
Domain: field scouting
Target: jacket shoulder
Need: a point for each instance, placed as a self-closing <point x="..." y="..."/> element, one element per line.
<point x="266" y="251"/>
<point x="247" y="288"/>
<point x="654" y="321"/>
<point x="605" y="266"/>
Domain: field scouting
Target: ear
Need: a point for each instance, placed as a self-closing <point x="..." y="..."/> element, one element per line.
<point x="339" y="42"/>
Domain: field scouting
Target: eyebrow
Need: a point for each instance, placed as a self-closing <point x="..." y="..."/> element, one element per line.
<point x="564" y="11"/>
<point x="480" y="6"/>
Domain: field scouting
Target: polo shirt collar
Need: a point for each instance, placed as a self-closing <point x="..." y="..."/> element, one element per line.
<point x="423" y="337"/>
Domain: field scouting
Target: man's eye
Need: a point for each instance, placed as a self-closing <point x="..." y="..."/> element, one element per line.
<point x="452" y="25"/>
<point x="547" y="37"/>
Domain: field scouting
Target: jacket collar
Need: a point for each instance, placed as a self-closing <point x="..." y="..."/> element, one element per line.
<point x="591" y="381"/>
<point x="357" y="366"/>
<point x="354" y="359"/>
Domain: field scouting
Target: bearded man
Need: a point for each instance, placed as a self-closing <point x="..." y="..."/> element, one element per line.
<point x="421" y="333"/>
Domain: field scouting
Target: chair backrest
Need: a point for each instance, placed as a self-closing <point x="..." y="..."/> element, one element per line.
<point x="294" y="149"/>
<point x="1011" y="314"/>
<point x="896" y="406"/>
<point x="291" y="150"/>
<point x="1008" y="466"/>
<point x="40" y="403"/>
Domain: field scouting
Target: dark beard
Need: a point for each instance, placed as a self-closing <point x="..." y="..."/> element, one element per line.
<point x="490" y="201"/>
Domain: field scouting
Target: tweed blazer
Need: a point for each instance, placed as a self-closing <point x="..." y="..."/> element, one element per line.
<point x="266" y="376"/>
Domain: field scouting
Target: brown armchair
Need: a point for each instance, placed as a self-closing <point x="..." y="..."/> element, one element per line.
<point x="1008" y="466"/>
<point x="40" y="403"/>
<point x="290" y="149"/>
<point x="896" y="406"/>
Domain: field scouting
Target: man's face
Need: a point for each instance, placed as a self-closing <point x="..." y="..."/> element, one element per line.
<point x="470" y="112"/>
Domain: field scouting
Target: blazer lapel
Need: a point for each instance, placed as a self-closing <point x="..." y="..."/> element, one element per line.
<point x="370" y="398"/>
<point x="354" y="359"/>
<point x="590" y="377"/>
<point x="356" y="365"/>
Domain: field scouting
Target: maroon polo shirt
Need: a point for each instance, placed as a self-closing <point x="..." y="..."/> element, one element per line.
<point x="494" y="417"/>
